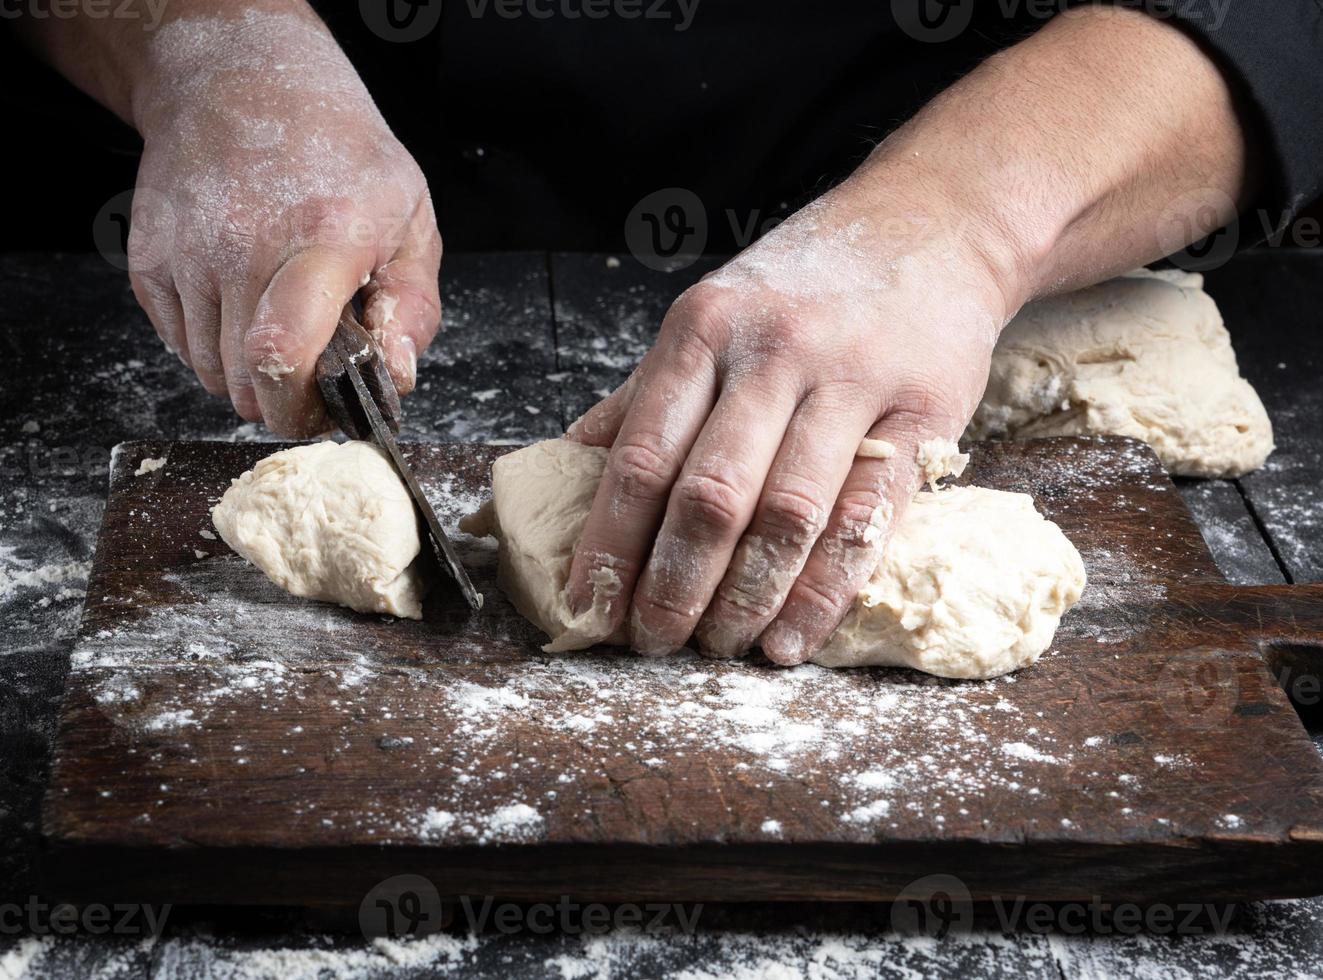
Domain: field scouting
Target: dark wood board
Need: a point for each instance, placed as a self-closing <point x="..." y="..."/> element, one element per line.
<point x="215" y="728"/>
<point x="1228" y="528"/>
<point x="1270" y="301"/>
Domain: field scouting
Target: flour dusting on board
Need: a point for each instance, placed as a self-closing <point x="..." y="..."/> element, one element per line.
<point x="481" y="740"/>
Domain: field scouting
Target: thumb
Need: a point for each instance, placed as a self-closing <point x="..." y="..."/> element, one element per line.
<point x="402" y="301"/>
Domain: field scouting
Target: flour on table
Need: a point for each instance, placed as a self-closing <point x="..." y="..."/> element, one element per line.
<point x="973" y="584"/>
<point x="1145" y="355"/>
<point x="329" y="521"/>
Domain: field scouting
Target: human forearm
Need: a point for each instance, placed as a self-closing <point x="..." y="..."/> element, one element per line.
<point x="1080" y="153"/>
<point x="114" y="59"/>
<point x="271" y="192"/>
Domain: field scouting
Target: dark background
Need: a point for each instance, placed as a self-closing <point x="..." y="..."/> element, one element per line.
<point x="545" y="133"/>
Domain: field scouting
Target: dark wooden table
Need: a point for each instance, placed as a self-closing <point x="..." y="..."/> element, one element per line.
<point x="532" y="340"/>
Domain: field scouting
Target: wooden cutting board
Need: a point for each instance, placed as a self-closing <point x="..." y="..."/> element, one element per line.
<point x="223" y="742"/>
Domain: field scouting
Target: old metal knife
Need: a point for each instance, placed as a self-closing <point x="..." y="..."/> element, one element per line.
<point x="361" y="399"/>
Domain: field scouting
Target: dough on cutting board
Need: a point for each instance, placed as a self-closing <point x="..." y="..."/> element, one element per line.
<point x="541" y="496"/>
<point x="1145" y="355"/>
<point x="329" y="521"/>
<point x="973" y="584"/>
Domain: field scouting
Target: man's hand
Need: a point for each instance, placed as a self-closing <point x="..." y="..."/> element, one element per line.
<point x="733" y="505"/>
<point x="270" y="192"/>
<point x="735" y="441"/>
<point x="284" y="193"/>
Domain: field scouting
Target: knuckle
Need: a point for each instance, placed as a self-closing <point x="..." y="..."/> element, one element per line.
<point x="820" y="599"/>
<point x="918" y="400"/>
<point x="710" y="501"/>
<point x="746" y="599"/>
<point x="267" y="354"/>
<point x="797" y="516"/>
<point x="642" y="467"/>
<point x="708" y="307"/>
<point x="661" y="611"/>
<point x="697" y="328"/>
<point x="854" y="514"/>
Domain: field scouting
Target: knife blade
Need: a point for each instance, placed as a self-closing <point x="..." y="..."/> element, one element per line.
<point x="348" y="348"/>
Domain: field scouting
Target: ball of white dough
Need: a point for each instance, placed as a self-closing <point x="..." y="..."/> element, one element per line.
<point x="329" y="521"/>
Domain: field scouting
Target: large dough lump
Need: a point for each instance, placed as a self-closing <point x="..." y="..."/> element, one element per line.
<point x="329" y="521"/>
<point x="1145" y="355"/>
<point x="973" y="584"/>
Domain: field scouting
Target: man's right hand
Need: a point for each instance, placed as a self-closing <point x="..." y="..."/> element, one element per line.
<point x="270" y="192"/>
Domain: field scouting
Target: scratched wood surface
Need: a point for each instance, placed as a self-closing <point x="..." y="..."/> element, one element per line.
<point x="214" y="724"/>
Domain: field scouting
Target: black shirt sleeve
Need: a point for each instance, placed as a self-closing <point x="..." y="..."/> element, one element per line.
<point x="1271" y="52"/>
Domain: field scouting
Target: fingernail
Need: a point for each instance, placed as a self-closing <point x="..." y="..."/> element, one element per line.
<point x="410" y="358"/>
<point x="783" y="646"/>
<point x="720" y="642"/>
<point x="643" y="641"/>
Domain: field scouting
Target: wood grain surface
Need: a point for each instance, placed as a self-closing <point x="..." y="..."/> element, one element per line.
<point x="216" y="729"/>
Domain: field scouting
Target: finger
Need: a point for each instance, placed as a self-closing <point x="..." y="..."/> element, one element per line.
<point x="157" y="296"/>
<point x="708" y="509"/>
<point x="292" y="324"/>
<point x="600" y="425"/>
<point x="872" y="498"/>
<point x="671" y="403"/>
<point x="806" y="477"/>
<point x="237" y="306"/>
<point x="202" y="325"/>
<point x="402" y="300"/>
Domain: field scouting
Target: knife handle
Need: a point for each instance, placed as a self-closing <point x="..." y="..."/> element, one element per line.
<point x="352" y="348"/>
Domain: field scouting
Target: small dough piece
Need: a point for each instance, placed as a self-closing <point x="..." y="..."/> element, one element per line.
<point x="1145" y="355"/>
<point x="329" y="521"/>
<point x="938" y="459"/>
<point x="972" y="584"/>
<point x="149" y="465"/>
<point x="541" y="496"/>
<point x="875" y="449"/>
